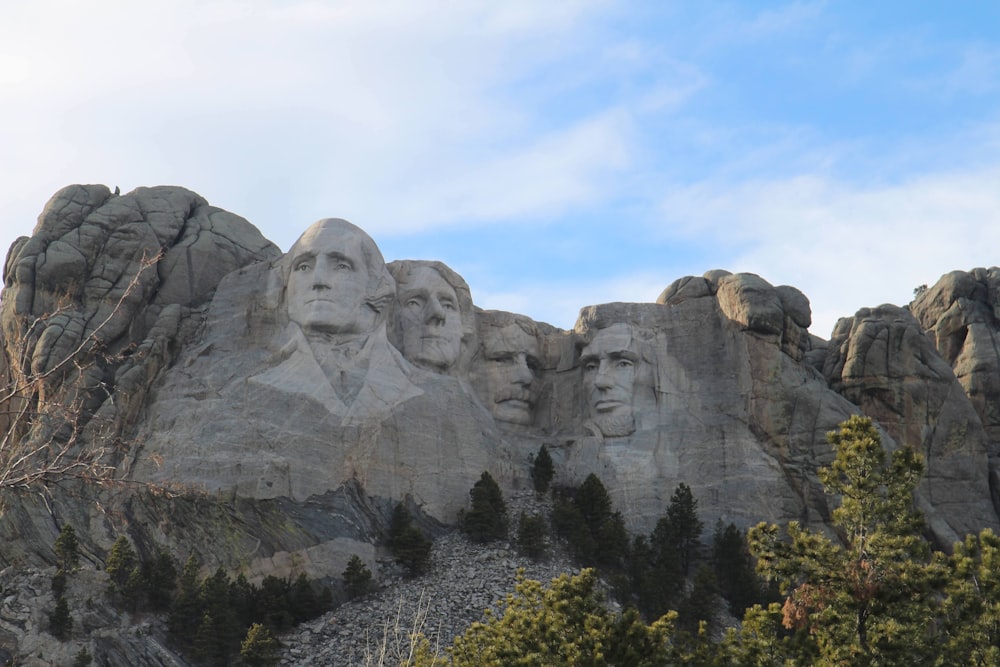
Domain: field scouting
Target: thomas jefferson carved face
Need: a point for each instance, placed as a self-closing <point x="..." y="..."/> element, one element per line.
<point x="511" y="358"/>
<point x="327" y="290"/>
<point x="429" y="317"/>
<point x="609" y="371"/>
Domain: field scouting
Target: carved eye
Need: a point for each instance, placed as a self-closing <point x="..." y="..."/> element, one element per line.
<point x="344" y="265"/>
<point x="414" y="302"/>
<point x="303" y="266"/>
<point x="590" y="366"/>
<point x="623" y="363"/>
<point x="448" y="305"/>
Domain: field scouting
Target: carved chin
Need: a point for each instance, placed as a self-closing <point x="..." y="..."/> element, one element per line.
<point x="437" y="354"/>
<point x="616" y="426"/>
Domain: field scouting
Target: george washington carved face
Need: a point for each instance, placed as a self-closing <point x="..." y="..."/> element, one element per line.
<point x="332" y="280"/>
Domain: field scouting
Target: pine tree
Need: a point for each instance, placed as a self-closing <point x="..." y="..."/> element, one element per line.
<point x="160" y="579"/>
<point x="542" y="470"/>
<point x="970" y="608"/>
<point x="531" y="535"/>
<point x="734" y="569"/>
<point x="59" y="583"/>
<point x="60" y="622"/>
<point x="223" y="626"/>
<point x="595" y="534"/>
<point x="408" y="545"/>
<point x="259" y="648"/>
<point x="243" y="597"/>
<point x="698" y="606"/>
<point x="304" y="604"/>
<point x="82" y="658"/>
<point x="868" y="600"/>
<point x="121" y="561"/>
<point x="274" y="605"/>
<point x="206" y="643"/>
<point x="357" y="577"/>
<point x="486" y="520"/>
<point x="563" y="625"/>
<point x="684" y="525"/>
<point x="67" y="549"/>
<point x="187" y="609"/>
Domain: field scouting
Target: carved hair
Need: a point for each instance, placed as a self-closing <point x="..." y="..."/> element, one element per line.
<point x="487" y="320"/>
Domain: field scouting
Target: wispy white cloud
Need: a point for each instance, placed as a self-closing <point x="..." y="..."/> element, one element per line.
<point x="840" y="242"/>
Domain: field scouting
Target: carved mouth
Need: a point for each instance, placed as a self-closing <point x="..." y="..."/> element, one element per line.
<point x="521" y="403"/>
<point x="607" y="405"/>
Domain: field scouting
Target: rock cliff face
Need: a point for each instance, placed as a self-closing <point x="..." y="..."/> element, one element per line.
<point x="194" y="387"/>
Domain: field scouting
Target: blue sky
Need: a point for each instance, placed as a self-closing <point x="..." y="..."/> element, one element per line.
<point x="556" y="155"/>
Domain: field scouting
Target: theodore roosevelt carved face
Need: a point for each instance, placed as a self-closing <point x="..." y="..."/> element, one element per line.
<point x="510" y="357"/>
<point x="430" y="300"/>
<point x="609" y="365"/>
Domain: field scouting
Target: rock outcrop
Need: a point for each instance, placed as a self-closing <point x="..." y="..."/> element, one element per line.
<point x="172" y="376"/>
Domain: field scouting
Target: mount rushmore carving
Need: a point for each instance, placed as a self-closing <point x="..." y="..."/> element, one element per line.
<point x="324" y="384"/>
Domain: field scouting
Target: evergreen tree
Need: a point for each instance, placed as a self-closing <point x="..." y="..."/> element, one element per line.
<point x="970" y="609"/>
<point x="67" y="549"/>
<point x="60" y="622"/>
<point x="206" y="643"/>
<point x="225" y="629"/>
<point x="734" y="569"/>
<point x="357" y="577"/>
<point x="274" y="606"/>
<point x="409" y="546"/>
<point x="868" y="600"/>
<point x="594" y="534"/>
<point x="698" y="606"/>
<point x="59" y="583"/>
<point x="486" y="520"/>
<point x="684" y="525"/>
<point x="187" y="609"/>
<point x="593" y="501"/>
<point x="259" y="648"/>
<point x="542" y="470"/>
<point x="122" y="560"/>
<point x="303" y="602"/>
<point x="563" y="625"/>
<point x="160" y="578"/>
<point x="531" y="535"/>
<point x="569" y="523"/>
<point x="243" y="598"/>
<point x="82" y="658"/>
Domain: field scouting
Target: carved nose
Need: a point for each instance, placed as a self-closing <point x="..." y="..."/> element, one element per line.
<point x="435" y="313"/>
<point x="522" y="374"/>
<point x="603" y="378"/>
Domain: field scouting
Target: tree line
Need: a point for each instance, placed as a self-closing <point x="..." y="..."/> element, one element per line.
<point x="873" y="593"/>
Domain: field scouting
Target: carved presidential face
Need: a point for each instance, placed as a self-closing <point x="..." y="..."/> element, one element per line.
<point x="609" y="371"/>
<point x="430" y="320"/>
<point x="510" y="355"/>
<point x="328" y="284"/>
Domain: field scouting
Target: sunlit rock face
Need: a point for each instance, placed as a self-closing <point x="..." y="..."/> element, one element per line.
<point x="289" y="400"/>
<point x="99" y="299"/>
<point x="882" y="361"/>
<point x="961" y="316"/>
